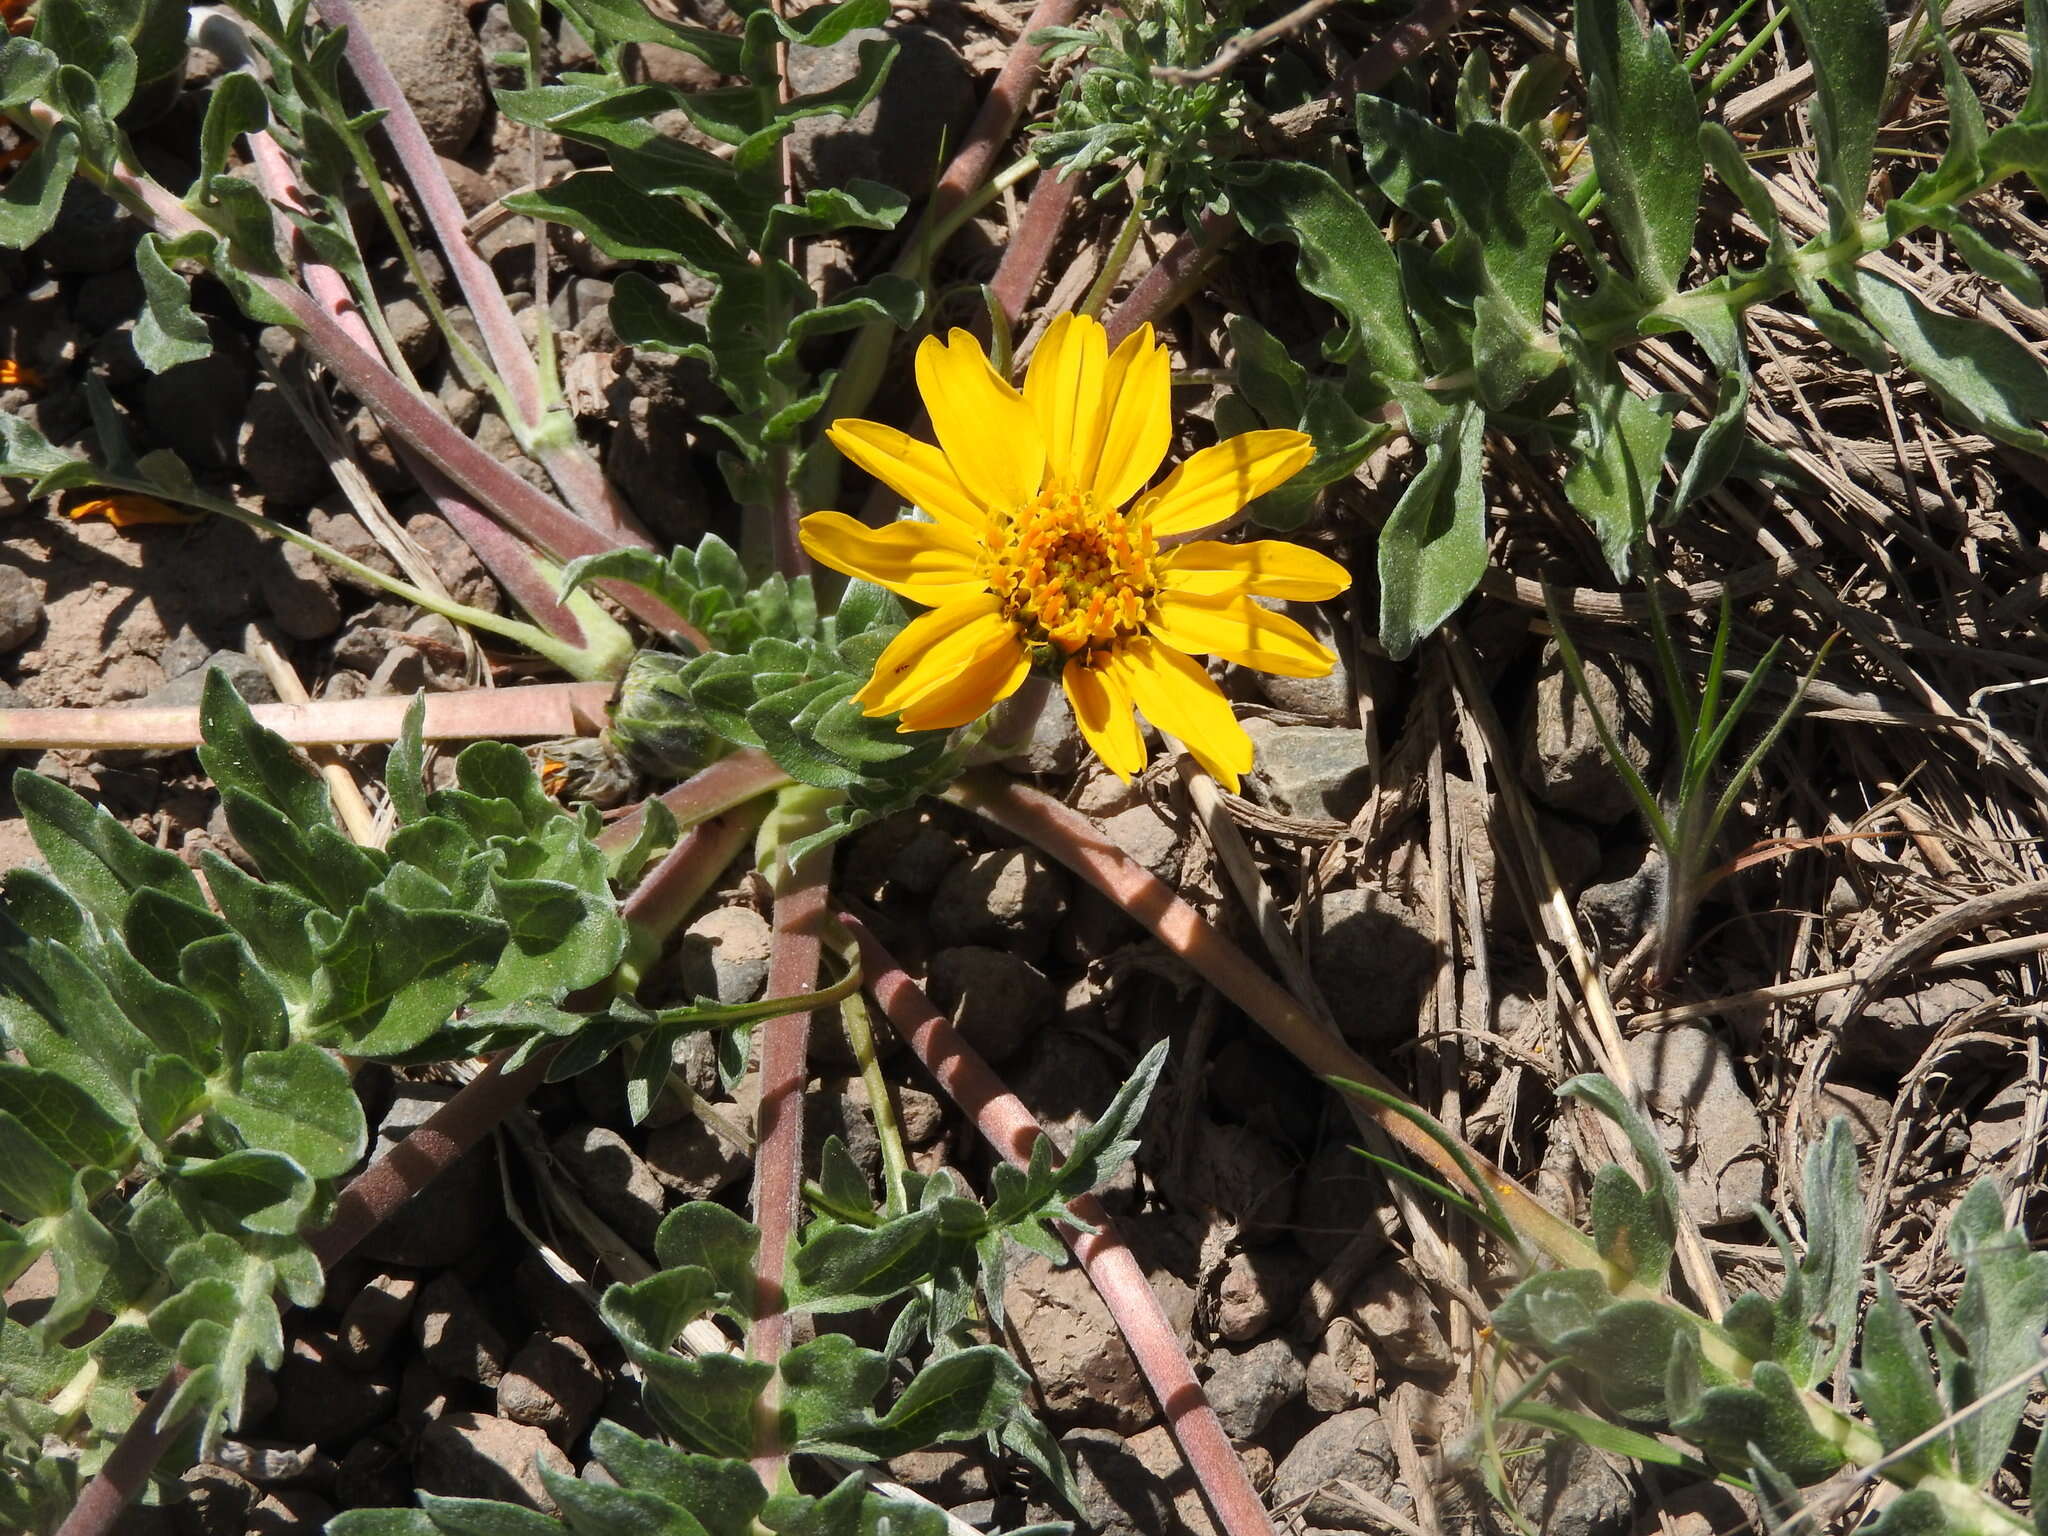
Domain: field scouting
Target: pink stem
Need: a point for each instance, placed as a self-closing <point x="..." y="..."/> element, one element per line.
<point x="800" y="899"/>
<point x="534" y="713"/>
<point x="572" y="469"/>
<point x="1011" y="1129"/>
<point x="1031" y="243"/>
<point x="508" y="560"/>
<point x="1000" y="110"/>
<point x="1079" y="844"/>
<point x="731" y="780"/>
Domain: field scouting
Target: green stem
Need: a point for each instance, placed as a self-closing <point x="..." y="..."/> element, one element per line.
<point x="586" y="662"/>
<point x="860" y="1038"/>
<point x="1126" y="241"/>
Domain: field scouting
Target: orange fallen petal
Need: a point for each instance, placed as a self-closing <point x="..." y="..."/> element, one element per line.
<point x="13" y="374"/>
<point x="129" y="511"/>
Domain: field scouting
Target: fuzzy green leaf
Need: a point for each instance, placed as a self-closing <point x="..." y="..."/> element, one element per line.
<point x="1998" y="1320"/>
<point x="1643" y="125"/>
<point x="1893" y="1381"/>
<point x="393" y="975"/>
<point x="1848" y="45"/>
<point x="298" y="1101"/>
<point x="1345" y="259"/>
<point x="628" y="225"/>
<point x="168" y="332"/>
<point x="63" y="1118"/>
<point x="1433" y="548"/>
<point x="724" y="1496"/>
<point x="1982" y="376"/>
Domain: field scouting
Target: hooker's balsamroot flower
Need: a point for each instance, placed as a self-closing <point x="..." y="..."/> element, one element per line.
<point x="1032" y="553"/>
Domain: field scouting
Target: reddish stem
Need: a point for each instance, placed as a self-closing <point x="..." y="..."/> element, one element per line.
<point x="1010" y="1128"/>
<point x="573" y="470"/>
<point x="730" y="781"/>
<point x="1000" y="110"/>
<point x="800" y="899"/>
<point x="509" y="561"/>
<point x="1079" y="844"/>
<point x="1031" y="243"/>
<point x="127" y="1467"/>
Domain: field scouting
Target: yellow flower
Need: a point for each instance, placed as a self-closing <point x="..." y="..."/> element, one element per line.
<point x="1032" y="552"/>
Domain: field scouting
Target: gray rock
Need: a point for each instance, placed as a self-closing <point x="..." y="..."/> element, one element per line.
<point x="1245" y="1176"/>
<point x="1147" y="837"/>
<point x="1312" y="770"/>
<point x="21" y="607"/>
<point x="1252" y="1291"/>
<point x="437" y="62"/>
<point x="454" y="1336"/>
<point x="1135" y="1485"/>
<point x="1350" y="1447"/>
<point x="418" y="338"/>
<point x="1011" y="900"/>
<point x="1705" y="1120"/>
<point x="1373" y="956"/>
<point x="1579" y="1492"/>
<point x="1339" y="1190"/>
<point x="998" y="1001"/>
<point x="838" y="1106"/>
<point x="1333" y="696"/>
<point x="724" y="955"/>
<point x="458" y="566"/>
<point x="1247" y="1388"/>
<point x="945" y="1476"/>
<point x="244" y="671"/>
<point x="1066" y="1338"/>
<point x="552" y="1384"/>
<point x="899" y="139"/>
<point x="444" y="1222"/>
<point x="1342" y="1374"/>
<point x="1893" y="1032"/>
<point x="694" y="1160"/>
<point x="1563" y="762"/>
<point x="922" y="1117"/>
<point x="401" y="672"/>
<point x="196" y="409"/>
<point x="299" y="592"/>
<point x="320" y="1401"/>
<point x="376" y="1315"/>
<point x="1039" y="717"/>
<point x="277" y="454"/>
<point x="481" y="1456"/>
<point x="614" y="1179"/>
<point x="1574" y="854"/>
<point x="1397" y="1314"/>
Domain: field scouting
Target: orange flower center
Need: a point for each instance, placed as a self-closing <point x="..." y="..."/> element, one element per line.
<point x="1072" y="572"/>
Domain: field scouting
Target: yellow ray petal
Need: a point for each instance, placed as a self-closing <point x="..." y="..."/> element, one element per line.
<point x="931" y="648"/>
<point x="1238" y="629"/>
<point x="972" y="690"/>
<point x="1065" y="387"/>
<point x="1178" y="697"/>
<point x="1102" y="709"/>
<point x="988" y="430"/>
<point x="929" y="563"/>
<point x="916" y="471"/>
<point x="1214" y="484"/>
<point x="1261" y="568"/>
<point x="1138" y="418"/>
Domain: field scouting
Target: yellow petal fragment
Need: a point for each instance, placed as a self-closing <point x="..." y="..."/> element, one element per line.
<point x="929" y="563"/>
<point x="932" y="647"/>
<point x="19" y="375"/>
<point x="971" y="691"/>
<point x="1214" y="485"/>
<point x="989" y="432"/>
<point x="1238" y="629"/>
<point x="1065" y="387"/>
<point x="916" y="471"/>
<point x="1178" y="697"/>
<point x="1138" y="425"/>
<point x="1102" y="709"/>
<point x="128" y="510"/>
<point x="1260" y="568"/>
